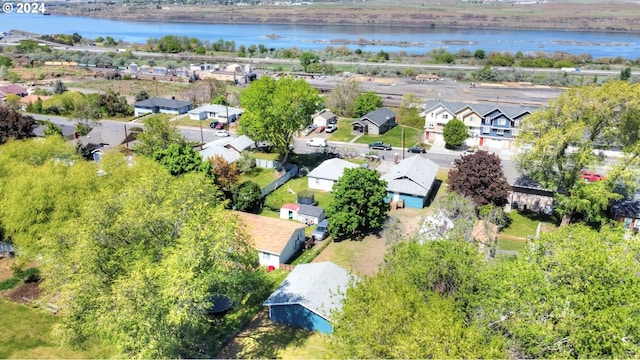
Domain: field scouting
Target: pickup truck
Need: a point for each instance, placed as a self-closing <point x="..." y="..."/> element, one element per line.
<point x="379" y="145"/>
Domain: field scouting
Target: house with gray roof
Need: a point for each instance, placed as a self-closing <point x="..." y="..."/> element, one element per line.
<point x="376" y="122"/>
<point x="627" y="212"/>
<point x="309" y="295"/>
<point x="327" y="174"/>
<point x="489" y="125"/>
<point x="161" y="105"/>
<point x="412" y="181"/>
<point x="215" y="112"/>
<point x="324" y="117"/>
<point x="230" y="148"/>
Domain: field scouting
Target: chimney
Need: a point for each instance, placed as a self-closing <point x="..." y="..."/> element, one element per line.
<point x="395" y="159"/>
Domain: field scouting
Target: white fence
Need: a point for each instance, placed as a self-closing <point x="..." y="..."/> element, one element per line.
<point x="293" y="171"/>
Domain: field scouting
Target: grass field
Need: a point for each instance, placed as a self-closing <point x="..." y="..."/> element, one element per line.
<point x="25" y="333"/>
<point x="287" y="192"/>
<point x="344" y="131"/>
<point x="132" y="87"/>
<point x="394" y="137"/>
<point x="525" y="224"/>
<point x="260" y="176"/>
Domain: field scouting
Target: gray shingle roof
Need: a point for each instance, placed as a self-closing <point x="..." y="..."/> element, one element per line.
<point x="311" y="210"/>
<point x="627" y="207"/>
<point x="414" y="176"/>
<point x="380" y="116"/>
<point x="331" y="169"/>
<point x="482" y="109"/>
<point x="218" y="109"/>
<point x="319" y="287"/>
<point x="241" y="143"/>
<point x="163" y="103"/>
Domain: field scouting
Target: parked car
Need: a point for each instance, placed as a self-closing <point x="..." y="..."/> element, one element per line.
<point x="591" y="176"/>
<point x="379" y="145"/>
<point x="222" y="133"/>
<point x="220" y="125"/>
<point x="417" y="150"/>
<point x="213" y="124"/>
<point x="319" y="129"/>
<point x="331" y="128"/>
<point x="468" y="152"/>
<point x="308" y="130"/>
<point x="318" y="142"/>
<point x="320" y="233"/>
<point x="333" y="121"/>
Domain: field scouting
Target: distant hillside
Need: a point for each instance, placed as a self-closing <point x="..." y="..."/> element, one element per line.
<point x="567" y="15"/>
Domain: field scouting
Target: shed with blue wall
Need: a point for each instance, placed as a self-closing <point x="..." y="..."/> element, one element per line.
<point x="412" y="180"/>
<point x="309" y="295"/>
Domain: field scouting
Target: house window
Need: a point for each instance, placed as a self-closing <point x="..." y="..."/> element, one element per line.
<point x="502" y="122"/>
<point x="627" y="223"/>
<point x="486" y="129"/>
<point x="317" y="181"/>
<point x="431" y="125"/>
<point x="516" y="123"/>
<point x="445" y="116"/>
<point x="473" y="118"/>
<point x="266" y="256"/>
<point x="500" y="132"/>
<point x="432" y="114"/>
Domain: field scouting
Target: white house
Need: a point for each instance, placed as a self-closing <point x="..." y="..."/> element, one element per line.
<point x="276" y="240"/>
<point x="221" y="113"/>
<point x="326" y="174"/>
<point x="229" y="148"/>
<point x="324" y="117"/>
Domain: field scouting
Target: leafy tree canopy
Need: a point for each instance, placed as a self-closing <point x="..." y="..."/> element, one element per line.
<point x="366" y="103"/>
<point x="276" y="110"/>
<point x="358" y="205"/>
<point x="158" y="134"/>
<point x="341" y="100"/>
<point x="574" y="293"/>
<point x="181" y="158"/>
<point x="14" y="125"/>
<point x="564" y="139"/>
<point x="480" y="177"/>
<point x="455" y="132"/>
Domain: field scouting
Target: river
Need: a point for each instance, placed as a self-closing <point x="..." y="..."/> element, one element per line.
<point x="317" y="37"/>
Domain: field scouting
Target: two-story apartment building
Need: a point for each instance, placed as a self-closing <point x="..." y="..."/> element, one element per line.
<point x="489" y="125"/>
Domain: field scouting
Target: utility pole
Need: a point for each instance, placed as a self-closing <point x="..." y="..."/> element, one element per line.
<point x="201" y="134"/>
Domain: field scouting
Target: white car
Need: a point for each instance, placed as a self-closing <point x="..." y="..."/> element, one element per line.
<point x="222" y="133"/>
<point x="319" y="142"/>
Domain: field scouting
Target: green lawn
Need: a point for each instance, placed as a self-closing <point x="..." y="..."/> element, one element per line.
<point x="156" y="116"/>
<point x="393" y="137"/>
<point x="511" y="244"/>
<point x="25" y="333"/>
<point x="344" y="131"/>
<point x="186" y="121"/>
<point x="525" y="224"/>
<point x="287" y="193"/>
<point x="260" y="176"/>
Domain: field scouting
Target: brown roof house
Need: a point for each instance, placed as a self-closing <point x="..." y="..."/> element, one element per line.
<point x="12" y="89"/>
<point x="276" y="240"/>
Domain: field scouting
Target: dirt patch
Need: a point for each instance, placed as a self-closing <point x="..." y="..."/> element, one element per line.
<point x="262" y="338"/>
<point x="26" y="293"/>
<point x="5" y="268"/>
<point x="363" y="257"/>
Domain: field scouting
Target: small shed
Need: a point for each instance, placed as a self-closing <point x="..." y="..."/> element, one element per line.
<point x="309" y="295"/>
<point x="307" y="214"/>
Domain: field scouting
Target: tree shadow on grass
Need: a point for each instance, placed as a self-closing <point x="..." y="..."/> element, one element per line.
<point x="263" y="339"/>
<point x="540" y="217"/>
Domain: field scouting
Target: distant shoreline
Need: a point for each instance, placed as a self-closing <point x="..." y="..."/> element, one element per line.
<point x="619" y="18"/>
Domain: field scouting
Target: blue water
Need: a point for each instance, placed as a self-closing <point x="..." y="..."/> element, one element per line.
<point x="597" y="44"/>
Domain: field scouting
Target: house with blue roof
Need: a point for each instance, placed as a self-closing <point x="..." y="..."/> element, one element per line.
<point x="309" y="296"/>
<point x="412" y="181"/>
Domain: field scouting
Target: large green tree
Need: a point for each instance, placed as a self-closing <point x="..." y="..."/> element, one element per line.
<point x="565" y="138"/>
<point x="454" y="132"/>
<point x="138" y="267"/>
<point x="157" y="135"/>
<point x="277" y="110"/>
<point x="341" y="99"/>
<point x="181" y="158"/>
<point x="367" y="102"/>
<point x="414" y="307"/>
<point x="573" y="293"/>
<point x="358" y="205"/>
